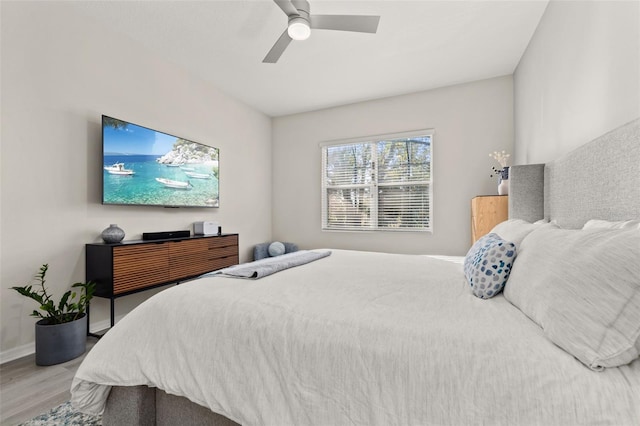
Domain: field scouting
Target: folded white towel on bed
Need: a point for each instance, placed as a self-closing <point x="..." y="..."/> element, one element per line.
<point x="271" y="265"/>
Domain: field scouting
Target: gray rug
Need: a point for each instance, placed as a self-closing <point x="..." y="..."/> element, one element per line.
<point x="64" y="415"/>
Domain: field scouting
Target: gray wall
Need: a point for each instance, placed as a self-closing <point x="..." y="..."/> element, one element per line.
<point x="578" y="78"/>
<point x="470" y="121"/>
<point x="60" y="72"/>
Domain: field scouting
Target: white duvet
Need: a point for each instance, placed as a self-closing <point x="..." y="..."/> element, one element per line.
<point x="354" y="338"/>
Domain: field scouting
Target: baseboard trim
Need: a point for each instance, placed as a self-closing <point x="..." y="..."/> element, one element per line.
<point x="19" y="352"/>
<point x="30" y="348"/>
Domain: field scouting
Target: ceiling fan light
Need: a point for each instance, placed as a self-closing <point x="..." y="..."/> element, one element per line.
<point x="299" y="29"/>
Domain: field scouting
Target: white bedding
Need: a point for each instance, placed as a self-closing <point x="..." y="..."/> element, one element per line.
<point x="354" y="338"/>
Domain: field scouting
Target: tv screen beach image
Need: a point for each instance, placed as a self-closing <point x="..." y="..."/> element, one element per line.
<point x="146" y="167"/>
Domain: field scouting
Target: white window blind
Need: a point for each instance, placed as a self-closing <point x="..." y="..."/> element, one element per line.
<point x="382" y="184"/>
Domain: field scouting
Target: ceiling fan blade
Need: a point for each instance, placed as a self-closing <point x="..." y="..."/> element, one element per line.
<point x="277" y="49"/>
<point x="287" y="7"/>
<point x="357" y="23"/>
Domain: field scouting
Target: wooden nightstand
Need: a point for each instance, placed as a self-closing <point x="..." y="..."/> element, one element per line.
<point x="486" y="212"/>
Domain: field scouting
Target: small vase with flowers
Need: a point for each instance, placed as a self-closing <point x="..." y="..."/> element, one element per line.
<point x="502" y="172"/>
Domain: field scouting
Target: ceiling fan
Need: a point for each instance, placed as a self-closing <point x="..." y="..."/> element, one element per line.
<point x="301" y="22"/>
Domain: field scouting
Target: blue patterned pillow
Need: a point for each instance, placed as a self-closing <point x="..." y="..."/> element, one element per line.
<point x="488" y="264"/>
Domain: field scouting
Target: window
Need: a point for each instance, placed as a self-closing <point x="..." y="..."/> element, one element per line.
<point x="381" y="184"/>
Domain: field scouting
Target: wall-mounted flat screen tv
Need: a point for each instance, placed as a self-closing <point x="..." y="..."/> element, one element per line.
<point x="145" y="167"/>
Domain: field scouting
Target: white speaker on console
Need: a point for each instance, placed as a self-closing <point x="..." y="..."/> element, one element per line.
<point x="205" y="228"/>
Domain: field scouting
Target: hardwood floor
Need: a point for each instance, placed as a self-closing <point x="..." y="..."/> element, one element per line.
<point x="27" y="390"/>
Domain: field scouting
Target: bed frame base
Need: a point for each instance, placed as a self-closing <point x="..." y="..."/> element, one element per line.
<point x="144" y="406"/>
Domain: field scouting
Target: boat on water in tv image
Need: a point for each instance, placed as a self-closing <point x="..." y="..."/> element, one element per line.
<point x="162" y="170"/>
<point x="175" y="183"/>
<point x="198" y="175"/>
<point x="118" y="169"/>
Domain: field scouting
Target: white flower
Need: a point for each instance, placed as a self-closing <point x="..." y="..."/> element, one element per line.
<point x="501" y="157"/>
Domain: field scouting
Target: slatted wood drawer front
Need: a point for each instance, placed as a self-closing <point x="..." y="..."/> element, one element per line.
<point x="188" y="258"/>
<point x="139" y="266"/>
<point x="224" y="241"/>
<point x="223" y="252"/>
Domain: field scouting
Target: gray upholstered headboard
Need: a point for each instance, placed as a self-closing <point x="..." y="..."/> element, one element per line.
<point x="599" y="180"/>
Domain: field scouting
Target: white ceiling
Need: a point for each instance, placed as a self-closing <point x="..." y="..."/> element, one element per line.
<point x="420" y="45"/>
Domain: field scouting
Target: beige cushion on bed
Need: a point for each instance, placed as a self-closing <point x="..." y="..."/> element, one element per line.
<point x="583" y="288"/>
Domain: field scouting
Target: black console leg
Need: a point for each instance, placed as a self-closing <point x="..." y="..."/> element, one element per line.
<point x="88" y="319"/>
<point x="113" y="312"/>
<point x="97" y="336"/>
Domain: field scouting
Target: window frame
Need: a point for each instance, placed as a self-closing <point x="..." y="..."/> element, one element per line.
<point x="374" y="139"/>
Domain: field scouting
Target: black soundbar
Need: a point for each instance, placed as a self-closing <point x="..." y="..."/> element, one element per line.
<point x="165" y="235"/>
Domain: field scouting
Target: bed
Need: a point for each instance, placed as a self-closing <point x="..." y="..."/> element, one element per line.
<point x="378" y="338"/>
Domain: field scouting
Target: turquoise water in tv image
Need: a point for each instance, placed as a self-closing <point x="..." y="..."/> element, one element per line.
<point x="146" y="167"/>
<point x="143" y="188"/>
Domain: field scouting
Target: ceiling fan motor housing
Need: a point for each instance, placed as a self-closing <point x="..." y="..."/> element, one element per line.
<point x="303" y="8"/>
<point x="299" y="26"/>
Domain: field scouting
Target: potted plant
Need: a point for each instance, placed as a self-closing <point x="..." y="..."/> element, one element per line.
<point x="61" y="332"/>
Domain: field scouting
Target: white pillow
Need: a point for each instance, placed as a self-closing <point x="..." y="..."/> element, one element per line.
<point x="606" y="224"/>
<point x="583" y="288"/>
<point x="514" y="230"/>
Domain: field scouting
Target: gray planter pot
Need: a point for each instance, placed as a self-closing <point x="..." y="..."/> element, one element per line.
<point x="60" y="342"/>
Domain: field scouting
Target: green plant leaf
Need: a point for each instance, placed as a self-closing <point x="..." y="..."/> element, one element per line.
<point x="63" y="301"/>
<point x="67" y="308"/>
